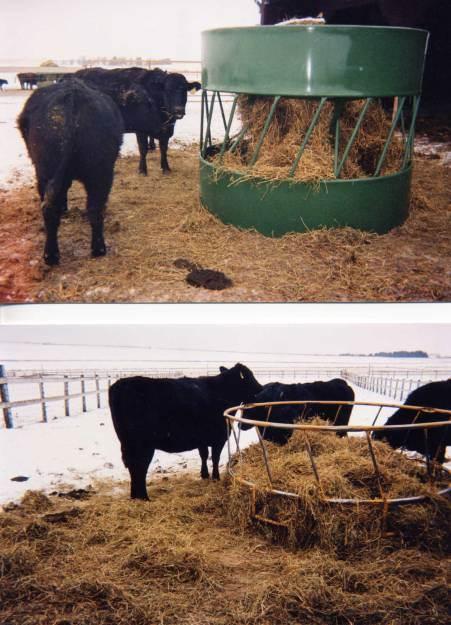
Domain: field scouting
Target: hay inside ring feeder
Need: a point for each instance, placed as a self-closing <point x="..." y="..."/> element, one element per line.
<point x="315" y="147"/>
<point x="340" y="493"/>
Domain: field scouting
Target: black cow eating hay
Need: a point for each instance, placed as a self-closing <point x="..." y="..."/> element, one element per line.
<point x="175" y="415"/>
<point x="432" y="442"/>
<point x="333" y="390"/>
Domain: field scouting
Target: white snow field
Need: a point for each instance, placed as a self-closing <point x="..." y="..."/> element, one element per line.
<point x="73" y="452"/>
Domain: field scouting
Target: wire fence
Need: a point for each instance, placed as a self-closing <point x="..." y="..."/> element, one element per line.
<point x="392" y="384"/>
<point x="28" y="395"/>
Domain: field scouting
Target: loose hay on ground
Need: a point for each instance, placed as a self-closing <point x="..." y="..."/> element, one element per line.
<point x="346" y="472"/>
<point x="151" y="222"/>
<point x="178" y="559"/>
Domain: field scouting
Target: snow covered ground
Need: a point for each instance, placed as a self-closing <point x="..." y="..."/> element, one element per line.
<point x="74" y="452"/>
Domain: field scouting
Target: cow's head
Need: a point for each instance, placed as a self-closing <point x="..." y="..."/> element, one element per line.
<point x="241" y="383"/>
<point x="175" y="91"/>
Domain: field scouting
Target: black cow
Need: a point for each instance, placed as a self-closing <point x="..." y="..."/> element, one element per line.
<point x="433" y="445"/>
<point x="168" y="93"/>
<point x="175" y="415"/>
<point x="27" y="80"/>
<point x="2" y="82"/>
<point x="72" y="132"/>
<point x="333" y="390"/>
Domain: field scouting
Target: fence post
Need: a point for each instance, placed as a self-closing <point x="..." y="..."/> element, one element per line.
<point x="83" y="396"/>
<point x="97" y="389"/>
<point x="4" y="396"/>
<point x="396" y="388"/>
<point x="66" y="397"/>
<point x="43" y="404"/>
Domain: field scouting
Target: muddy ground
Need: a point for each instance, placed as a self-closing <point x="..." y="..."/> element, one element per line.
<point x="153" y="222"/>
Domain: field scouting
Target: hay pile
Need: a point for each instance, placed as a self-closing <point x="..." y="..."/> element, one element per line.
<point x="287" y="131"/>
<point x="178" y="560"/>
<point x="346" y="472"/>
<point x="151" y="222"/>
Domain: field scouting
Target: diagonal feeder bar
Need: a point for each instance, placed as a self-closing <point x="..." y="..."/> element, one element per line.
<point x="307" y="136"/>
<point x="390" y="135"/>
<point x="229" y="125"/>
<point x="209" y="118"/>
<point x="264" y="131"/>
<point x="351" y="139"/>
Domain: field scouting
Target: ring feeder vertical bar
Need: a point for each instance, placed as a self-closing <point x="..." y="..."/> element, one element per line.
<point x="202" y="113"/>
<point x="375" y="465"/>
<point x="265" y="457"/>
<point x="390" y="64"/>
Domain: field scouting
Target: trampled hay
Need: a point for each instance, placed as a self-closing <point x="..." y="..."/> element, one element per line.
<point x="153" y="221"/>
<point x="181" y="559"/>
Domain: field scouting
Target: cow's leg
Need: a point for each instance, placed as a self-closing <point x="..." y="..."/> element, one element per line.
<point x="51" y="205"/>
<point x="98" y="191"/>
<point x="138" y="466"/>
<point x="143" y="147"/>
<point x="203" y="452"/>
<point x="215" y="455"/>
<point x="151" y="145"/>
<point x="164" y="141"/>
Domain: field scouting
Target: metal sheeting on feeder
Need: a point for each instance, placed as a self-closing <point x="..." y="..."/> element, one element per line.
<point x="314" y="61"/>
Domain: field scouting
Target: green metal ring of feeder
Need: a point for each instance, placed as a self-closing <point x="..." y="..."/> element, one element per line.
<point x="321" y="65"/>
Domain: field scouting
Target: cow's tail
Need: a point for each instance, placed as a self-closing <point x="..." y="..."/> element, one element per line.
<point x="55" y="185"/>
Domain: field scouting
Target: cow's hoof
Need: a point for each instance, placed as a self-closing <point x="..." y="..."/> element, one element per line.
<point x="205" y="476"/>
<point x="142" y="173"/>
<point x="51" y="259"/>
<point x="216" y="477"/>
<point x="99" y="251"/>
<point x="166" y="171"/>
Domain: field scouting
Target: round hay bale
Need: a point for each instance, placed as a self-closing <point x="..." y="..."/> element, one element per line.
<point x="346" y="471"/>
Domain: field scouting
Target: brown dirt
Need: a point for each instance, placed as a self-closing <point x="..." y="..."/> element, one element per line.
<point x="179" y="559"/>
<point x="153" y="221"/>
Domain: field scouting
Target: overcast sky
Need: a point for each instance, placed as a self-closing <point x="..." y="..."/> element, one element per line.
<point x="61" y="29"/>
<point x="127" y="334"/>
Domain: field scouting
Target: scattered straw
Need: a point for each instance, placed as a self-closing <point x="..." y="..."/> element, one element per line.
<point x="178" y="560"/>
<point x="153" y="221"/>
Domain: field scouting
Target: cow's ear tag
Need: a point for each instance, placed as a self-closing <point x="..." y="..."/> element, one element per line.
<point x="193" y="91"/>
<point x="241" y="375"/>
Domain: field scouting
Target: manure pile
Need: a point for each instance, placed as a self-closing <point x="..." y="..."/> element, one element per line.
<point x="179" y="559"/>
<point x="346" y="471"/>
<point x="288" y="128"/>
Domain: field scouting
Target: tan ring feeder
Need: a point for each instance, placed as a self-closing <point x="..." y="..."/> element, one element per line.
<point x="317" y="468"/>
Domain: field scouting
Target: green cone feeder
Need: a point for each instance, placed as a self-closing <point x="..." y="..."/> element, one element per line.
<point x="321" y="64"/>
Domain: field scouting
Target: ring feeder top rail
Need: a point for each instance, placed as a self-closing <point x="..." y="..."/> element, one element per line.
<point x="235" y="415"/>
<point x="322" y="63"/>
